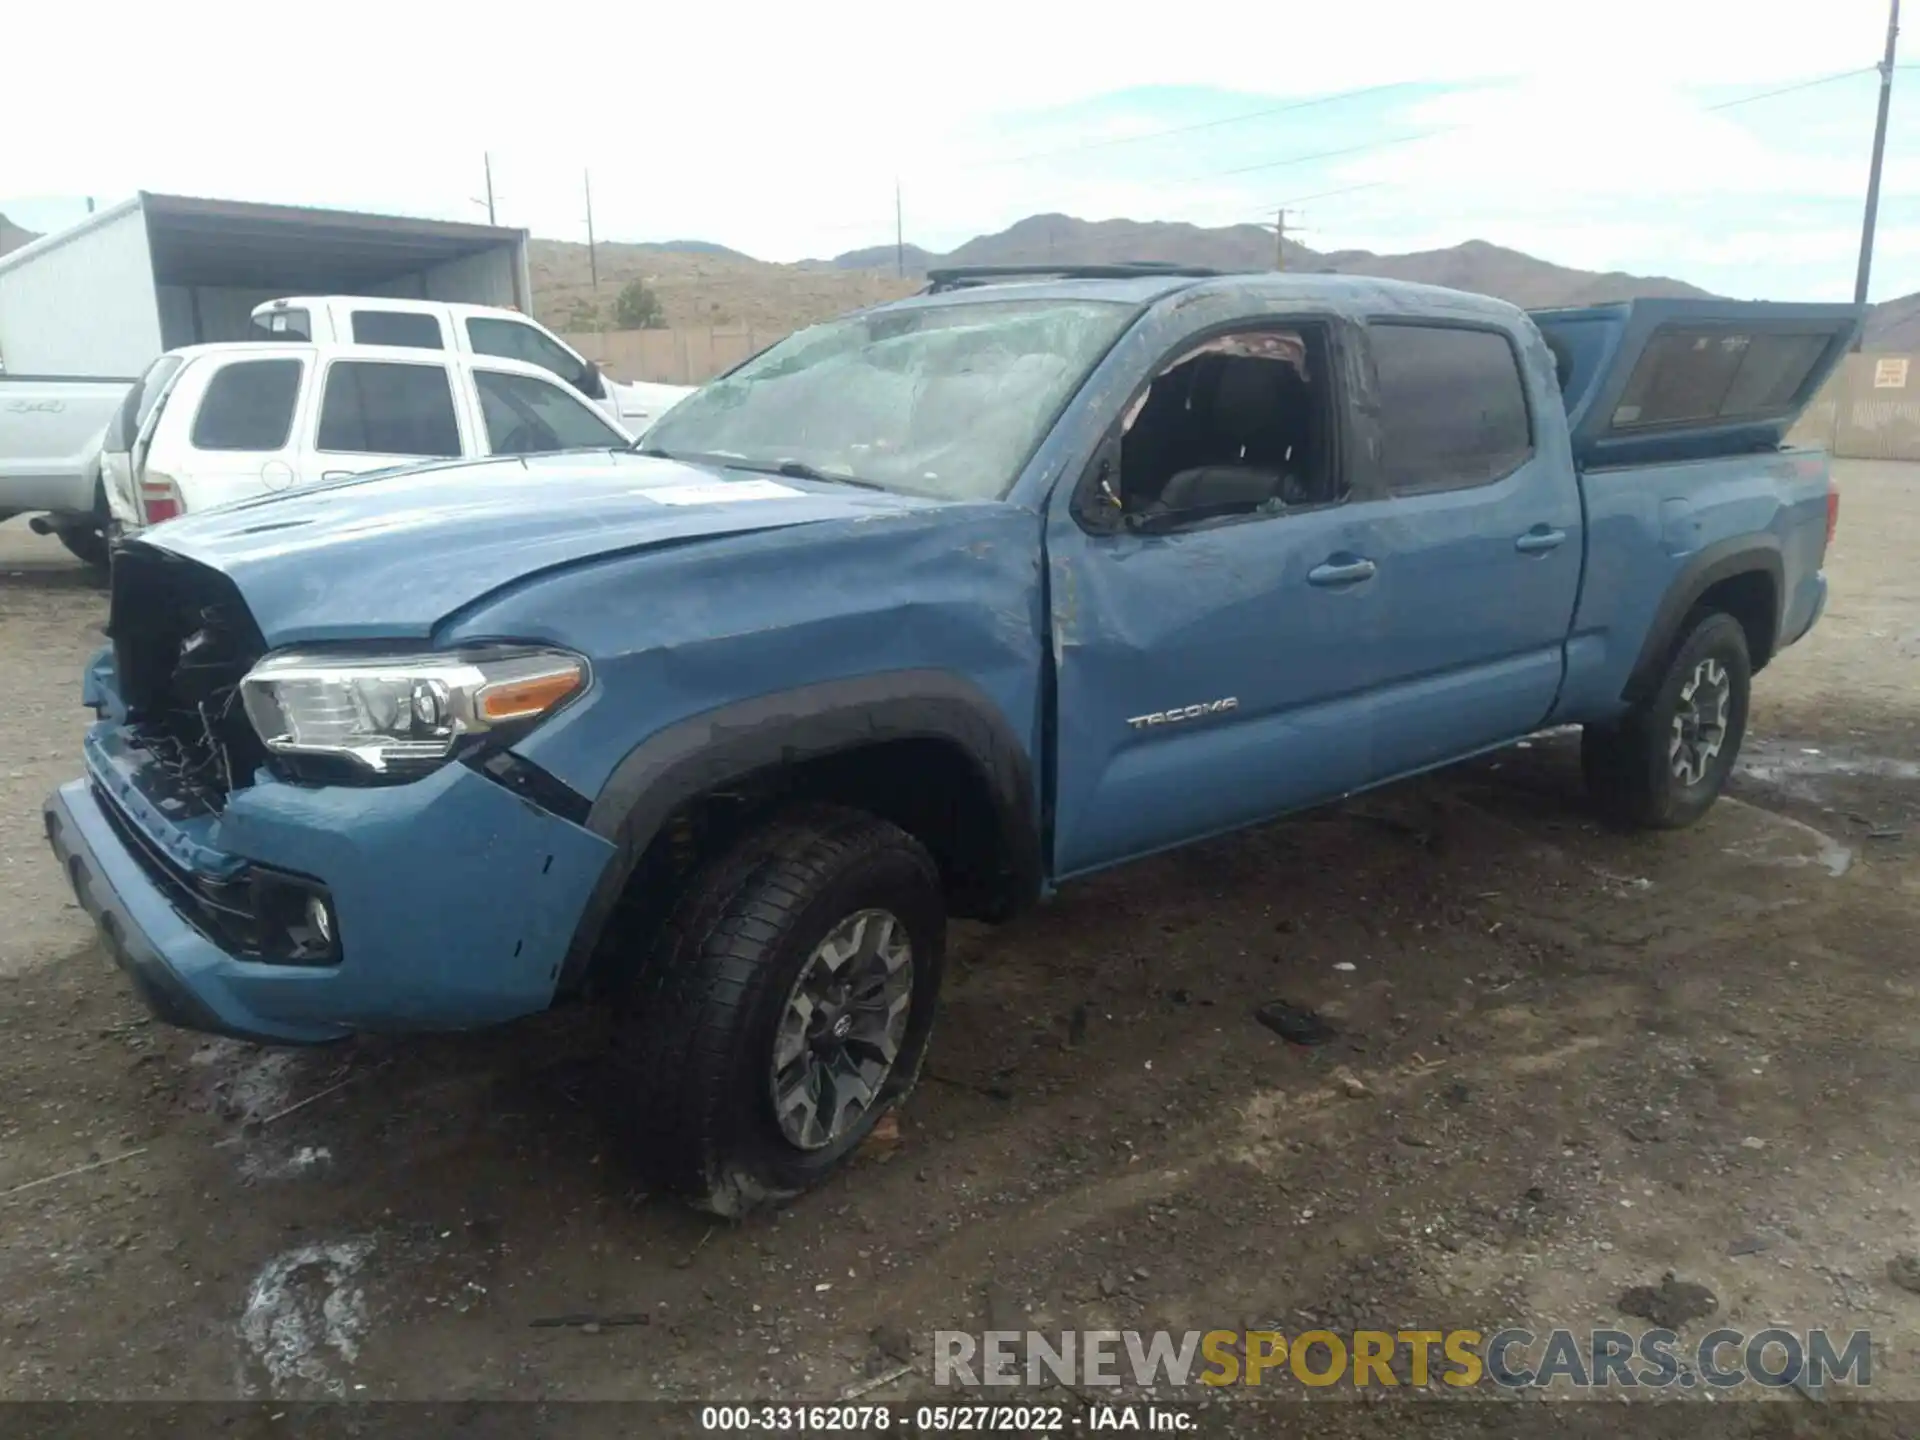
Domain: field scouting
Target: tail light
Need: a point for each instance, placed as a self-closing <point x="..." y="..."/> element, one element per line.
<point x="159" y="499"/>
<point x="1833" y="510"/>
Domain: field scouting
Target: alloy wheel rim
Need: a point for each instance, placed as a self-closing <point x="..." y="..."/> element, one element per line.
<point x="841" y="1032"/>
<point x="1700" y="722"/>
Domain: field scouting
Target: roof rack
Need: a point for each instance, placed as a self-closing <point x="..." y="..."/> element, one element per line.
<point x="960" y="277"/>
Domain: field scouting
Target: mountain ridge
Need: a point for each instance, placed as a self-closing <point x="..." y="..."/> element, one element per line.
<point x="702" y="282"/>
<point x="1477" y="265"/>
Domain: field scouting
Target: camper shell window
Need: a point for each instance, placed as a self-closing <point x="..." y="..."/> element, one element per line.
<point x="1692" y="376"/>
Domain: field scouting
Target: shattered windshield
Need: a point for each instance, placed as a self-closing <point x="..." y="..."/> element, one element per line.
<point x="947" y="400"/>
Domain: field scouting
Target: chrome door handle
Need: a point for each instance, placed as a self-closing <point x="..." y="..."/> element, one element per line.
<point x="1342" y="570"/>
<point x="1539" y="540"/>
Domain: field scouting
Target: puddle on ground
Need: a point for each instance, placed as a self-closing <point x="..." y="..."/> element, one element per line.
<point x="305" y="1317"/>
<point x="1797" y="769"/>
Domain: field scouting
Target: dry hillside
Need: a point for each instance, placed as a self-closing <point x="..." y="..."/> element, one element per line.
<point x="702" y="288"/>
<point x="1509" y="274"/>
<point x="1895" y="325"/>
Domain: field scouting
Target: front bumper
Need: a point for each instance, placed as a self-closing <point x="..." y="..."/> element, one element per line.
<point x="455" y="899"/>
<point x="172" y="966"/>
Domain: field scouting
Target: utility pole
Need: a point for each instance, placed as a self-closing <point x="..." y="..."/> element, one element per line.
<point x="1280" y="239"/>
<point x="1879" y="150"/>
<point x="593" y="260"/>
<point x="487" y="161"/>
<point x="899" y="235"/>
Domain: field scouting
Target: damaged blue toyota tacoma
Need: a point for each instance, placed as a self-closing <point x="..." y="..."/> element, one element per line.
<point x="917" y="614"/>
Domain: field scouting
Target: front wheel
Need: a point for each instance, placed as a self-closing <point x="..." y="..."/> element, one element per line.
<point x="1664" y="764"/>
<point x="786" y="1008"/>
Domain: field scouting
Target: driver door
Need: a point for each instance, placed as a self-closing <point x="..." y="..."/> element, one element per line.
<point x="1216" y="670"/>
<point x="517" y="340"/>
<point x="527" y="415"/>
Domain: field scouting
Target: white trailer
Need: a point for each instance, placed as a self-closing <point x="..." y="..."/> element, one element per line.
<point x="105" y="297"/>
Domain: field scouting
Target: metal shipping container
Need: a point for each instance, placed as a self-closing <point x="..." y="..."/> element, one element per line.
<point x="106" y="296"/>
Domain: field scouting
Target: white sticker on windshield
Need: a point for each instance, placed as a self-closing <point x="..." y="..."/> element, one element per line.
<point x="720" y="492"/>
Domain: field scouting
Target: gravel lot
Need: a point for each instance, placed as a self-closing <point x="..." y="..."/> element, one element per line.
<point x="1570" y="1061"/>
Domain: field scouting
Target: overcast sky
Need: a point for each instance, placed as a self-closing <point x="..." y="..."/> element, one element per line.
<point x="1584" y="134"/>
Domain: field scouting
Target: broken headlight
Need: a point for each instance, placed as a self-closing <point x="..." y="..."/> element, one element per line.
<point x="403" y="714"/>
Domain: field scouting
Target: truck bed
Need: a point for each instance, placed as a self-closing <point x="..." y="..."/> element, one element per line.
<point x="1648" y="526"/>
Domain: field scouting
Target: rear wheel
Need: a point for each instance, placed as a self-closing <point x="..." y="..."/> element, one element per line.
<point x="86" y="540"/>
<point x="1664" y="764"/>
<point x="786" y="1008"/>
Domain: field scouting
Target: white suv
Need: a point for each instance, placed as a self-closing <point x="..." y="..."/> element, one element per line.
<point x="474" y="330"/>
<point x="211" y="424"/>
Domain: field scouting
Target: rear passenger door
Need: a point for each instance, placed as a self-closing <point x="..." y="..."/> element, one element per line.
<point x="375" y="414"/>
<point x="232" y="440"/>
<point x="1481" y="537"/>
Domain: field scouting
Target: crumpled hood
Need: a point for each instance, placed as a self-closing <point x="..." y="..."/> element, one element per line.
<point x="392" y="555"/>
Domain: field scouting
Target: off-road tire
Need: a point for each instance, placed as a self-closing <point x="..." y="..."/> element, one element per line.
<point x="1629" y="765"/>
<point x="689" y="1067"/>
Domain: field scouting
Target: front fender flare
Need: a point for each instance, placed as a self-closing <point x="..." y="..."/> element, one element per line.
<point x="708" y="751"/>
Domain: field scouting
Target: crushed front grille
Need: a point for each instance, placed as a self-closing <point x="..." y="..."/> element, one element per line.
<point x="182" y="641"/>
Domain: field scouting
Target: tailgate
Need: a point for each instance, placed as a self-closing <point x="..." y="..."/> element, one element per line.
<point x="1662" y="380"/>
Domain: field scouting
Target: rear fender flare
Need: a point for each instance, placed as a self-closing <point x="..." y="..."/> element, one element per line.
<point x="707" y="751"/>
<point x="1741" y="555"/>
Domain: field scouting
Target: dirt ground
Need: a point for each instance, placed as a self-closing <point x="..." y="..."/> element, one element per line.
<point x="1570" y="1061"/>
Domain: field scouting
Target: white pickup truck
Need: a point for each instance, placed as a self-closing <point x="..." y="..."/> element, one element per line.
<point x="211" y="424"/>
<point x="50" y="456"/>
<point x="50" y="426"/>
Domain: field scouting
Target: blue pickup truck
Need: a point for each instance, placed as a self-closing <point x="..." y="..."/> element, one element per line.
<point x="920" y="612"/>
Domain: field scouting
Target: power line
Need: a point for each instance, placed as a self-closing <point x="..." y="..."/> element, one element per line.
<point x="1448" y="129"/>
<point x="1197" y="126"/>
<point x="1293" y="200"/>
<point x="1324" y="154"/>
<point x="1792" y="89"/>
<point x="1347" y="150"/>
<point x="1372" y="145"/>
<point x="1723" y="105"/>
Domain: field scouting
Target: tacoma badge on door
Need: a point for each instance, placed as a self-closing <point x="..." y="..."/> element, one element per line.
<point x="1183" y="712"/>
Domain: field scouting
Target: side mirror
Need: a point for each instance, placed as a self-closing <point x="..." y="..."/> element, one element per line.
<point x="592" y="384"/>
<point x="1097" y="499"/>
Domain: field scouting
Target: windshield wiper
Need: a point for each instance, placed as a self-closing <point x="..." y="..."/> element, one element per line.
<point x="792" y="469"/>
<point x="799" y="470"/>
